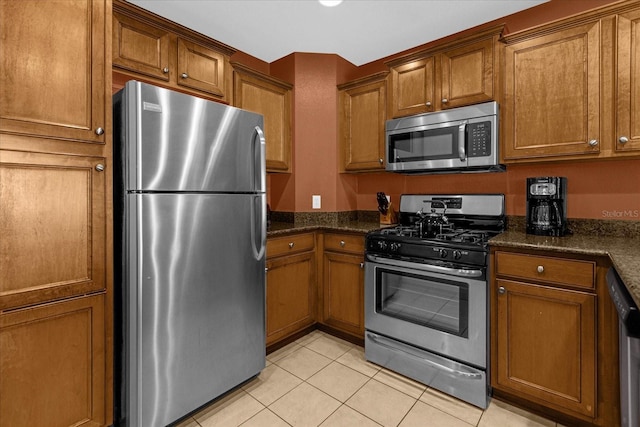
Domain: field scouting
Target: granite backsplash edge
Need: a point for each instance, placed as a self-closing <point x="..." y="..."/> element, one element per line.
<point x="586" y="226"/>
<point x="597" y="227"/>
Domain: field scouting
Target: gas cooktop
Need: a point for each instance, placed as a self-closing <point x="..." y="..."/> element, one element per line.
<point x="451" y="228"/>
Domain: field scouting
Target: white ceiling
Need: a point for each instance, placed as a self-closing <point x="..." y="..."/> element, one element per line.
<point x="359" y="31"/>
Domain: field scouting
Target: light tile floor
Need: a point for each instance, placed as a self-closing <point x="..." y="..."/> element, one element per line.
<point x="320" y="380"/>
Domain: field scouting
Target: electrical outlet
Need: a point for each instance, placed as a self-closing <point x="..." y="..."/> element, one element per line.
<point x="316" y="202"/>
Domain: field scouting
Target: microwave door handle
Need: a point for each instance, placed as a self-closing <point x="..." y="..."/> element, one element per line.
<point x="461" y="141"/>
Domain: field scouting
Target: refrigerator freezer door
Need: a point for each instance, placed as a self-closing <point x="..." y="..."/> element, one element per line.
<point x="177" y="142"/>
<point x="195" y="298"/>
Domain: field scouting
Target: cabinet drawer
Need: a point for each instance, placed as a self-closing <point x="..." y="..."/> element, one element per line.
<point x="289" y="244"/>
<point x="344" y="243"/>
<point x="546" y="269"/>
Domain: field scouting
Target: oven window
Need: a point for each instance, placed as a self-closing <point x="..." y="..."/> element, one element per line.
<point x="430" y="144"/>
<point x="436" y="303"/>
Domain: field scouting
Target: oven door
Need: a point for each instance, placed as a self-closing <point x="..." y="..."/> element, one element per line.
<point x="439" y="309"/>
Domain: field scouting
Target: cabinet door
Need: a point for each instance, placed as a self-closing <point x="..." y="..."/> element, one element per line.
<point x="546" y="345"/>
<point x="343" y="292"/>
<point x="140" y="48"/>
<point x="628" y="87"/>
<point x="467" y="74"/>
<point x="52" y="364"/>
<point x="291" y="295"/>
<point x="272" y="99"/>
<point x="53" y="68"/>
<point x="552" y="95"/>
<point x="412" y="88"/>
<point x="201" y="68"/>
<point x="53" y="227"/>
<point x="362" y="115"/>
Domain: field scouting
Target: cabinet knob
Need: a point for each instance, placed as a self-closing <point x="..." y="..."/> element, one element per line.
<point x="501" y="290"/>
<point x="381" y="161"/>
<point x="540" y="269"/>
<point x="184" y="75"/>
<point x="99" y="131"/>
<point x="291" y="244"/>
<point x="445" y="100"/>
<point x="623" y="140"/>
<point x="342" y="243"/>
<point x="593" y="142"/>
<point x="165" y="70"/>
<point x="266" y="269"/>
<point x="428" y="103"/>
<point x="100" y="167"/>
<point x="362" y="265"/>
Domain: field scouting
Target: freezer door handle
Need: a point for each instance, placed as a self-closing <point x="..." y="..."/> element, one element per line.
<point x="259" y="153"/>
<point x="258" y="227"/>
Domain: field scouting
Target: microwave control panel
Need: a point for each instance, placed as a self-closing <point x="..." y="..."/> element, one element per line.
<point x="479" y="139"/>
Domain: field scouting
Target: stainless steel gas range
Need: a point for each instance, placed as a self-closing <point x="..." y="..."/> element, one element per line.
<point x="426" y="305"/>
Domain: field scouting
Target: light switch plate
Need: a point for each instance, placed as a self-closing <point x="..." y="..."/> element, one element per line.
<point x="316" y="202"/>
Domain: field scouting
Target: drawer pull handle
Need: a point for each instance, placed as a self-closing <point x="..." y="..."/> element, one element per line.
<point x="291" y="245"/>
<point x="501" y="290"/>
<point x="540" y="269"/>
<point x="342" y="243"/>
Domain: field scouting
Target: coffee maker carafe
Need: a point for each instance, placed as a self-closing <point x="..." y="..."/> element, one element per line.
<point x="547" y="206"/>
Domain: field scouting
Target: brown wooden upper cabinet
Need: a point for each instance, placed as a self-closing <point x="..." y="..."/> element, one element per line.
<point x="362" y="115"/>
<point x="140" y="48"/>
<point x="271" y="97"/>
<point x="161" y="52"/>
<point x="59" y="90"/>
<point x="455" y="74"/>
<point x="627" y="137"/>
<point x="571" y="88"/>
<point x="551" y="102"/>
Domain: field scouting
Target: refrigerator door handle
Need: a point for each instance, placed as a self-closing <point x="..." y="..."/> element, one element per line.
<point x="259" y="153"/>
<point x="258" y="227"/>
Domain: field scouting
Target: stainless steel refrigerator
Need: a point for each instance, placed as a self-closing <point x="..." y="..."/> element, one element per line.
<point x="190" y="231"/>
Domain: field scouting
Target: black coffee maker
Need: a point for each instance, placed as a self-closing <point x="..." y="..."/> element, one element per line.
<point x="547" y="206"/>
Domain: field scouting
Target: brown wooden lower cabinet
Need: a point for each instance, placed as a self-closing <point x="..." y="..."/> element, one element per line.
<point x="312" y="286"/>
<point x="546" y="344"/>
<point x="342" y="292"/>
<point x="52" y="364"/>
<point x="554" y="341"/>
<point x="291" y="286"/>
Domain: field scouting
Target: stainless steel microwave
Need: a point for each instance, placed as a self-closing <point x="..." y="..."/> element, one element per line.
<point x="463" y="139"/>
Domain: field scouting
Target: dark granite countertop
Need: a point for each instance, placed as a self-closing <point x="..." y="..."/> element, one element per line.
<point x="624" y="252"/>
<point x="619" y="240"/>
<point x="283" y="228"/>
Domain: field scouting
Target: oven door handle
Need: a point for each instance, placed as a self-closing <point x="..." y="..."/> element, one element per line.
<point x="394" y="347"/>
<point x="460" y="272"/>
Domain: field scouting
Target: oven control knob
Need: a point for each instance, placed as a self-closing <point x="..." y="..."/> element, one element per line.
<point x="395" y="247"/>
<point x="382" y="245"/>
<point x="443" y="253"/>
<point x="457" y="254"/>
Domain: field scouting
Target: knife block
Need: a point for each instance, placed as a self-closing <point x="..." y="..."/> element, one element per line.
<point x="390" y="217"/>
